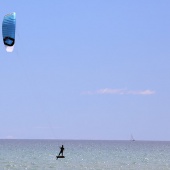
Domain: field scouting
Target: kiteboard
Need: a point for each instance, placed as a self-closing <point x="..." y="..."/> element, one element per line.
<point x="60" y="157"/>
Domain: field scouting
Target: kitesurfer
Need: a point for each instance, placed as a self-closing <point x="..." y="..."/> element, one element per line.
<point x="61" y="150"/>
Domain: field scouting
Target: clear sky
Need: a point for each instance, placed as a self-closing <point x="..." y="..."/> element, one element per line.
<point x="90" y="69"/>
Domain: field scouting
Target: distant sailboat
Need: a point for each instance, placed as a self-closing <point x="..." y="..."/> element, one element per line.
<point x="132" y="138"/>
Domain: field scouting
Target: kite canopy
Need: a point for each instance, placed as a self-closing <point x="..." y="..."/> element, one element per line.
<point x="8" y="31"/>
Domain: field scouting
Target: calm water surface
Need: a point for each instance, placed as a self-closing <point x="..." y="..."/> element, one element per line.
<point x="84" y="155"/>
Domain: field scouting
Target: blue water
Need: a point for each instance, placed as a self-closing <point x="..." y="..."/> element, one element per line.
<point x="84" y="155"/>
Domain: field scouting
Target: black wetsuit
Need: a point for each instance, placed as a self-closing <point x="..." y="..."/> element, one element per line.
<point x="61" y="150"/>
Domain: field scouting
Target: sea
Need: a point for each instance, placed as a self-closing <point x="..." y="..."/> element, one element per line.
<point x="84" y="155"/>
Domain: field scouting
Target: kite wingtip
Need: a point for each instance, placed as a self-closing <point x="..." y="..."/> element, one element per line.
<point x="9" y="49"/>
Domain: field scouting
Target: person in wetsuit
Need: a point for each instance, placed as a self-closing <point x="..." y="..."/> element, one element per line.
<point x="61" y="150"/>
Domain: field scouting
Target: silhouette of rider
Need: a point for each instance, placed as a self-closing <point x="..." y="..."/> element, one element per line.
<point x="61" y="150"/>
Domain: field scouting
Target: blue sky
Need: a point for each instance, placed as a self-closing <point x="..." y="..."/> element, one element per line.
<point x="87" y="70"/>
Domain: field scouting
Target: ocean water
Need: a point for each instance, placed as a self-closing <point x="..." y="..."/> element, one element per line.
<point x="84" y="155"/>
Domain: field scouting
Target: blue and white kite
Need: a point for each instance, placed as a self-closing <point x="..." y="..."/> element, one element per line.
<point x="8" y="31"/>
